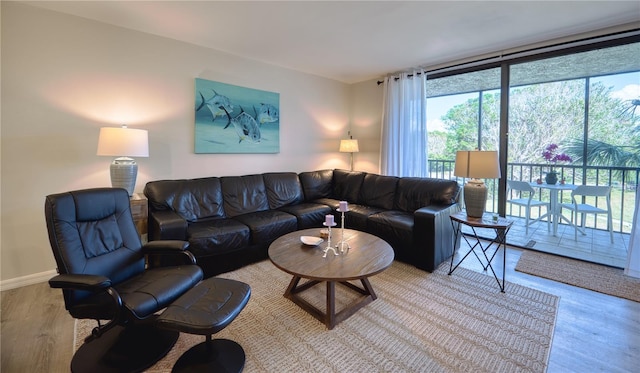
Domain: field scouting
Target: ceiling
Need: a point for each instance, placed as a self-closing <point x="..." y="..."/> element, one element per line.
<point x="353" y="41"/>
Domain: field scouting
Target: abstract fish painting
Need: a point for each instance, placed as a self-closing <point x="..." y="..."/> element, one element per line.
<point x="246" y="127"/>
<point x="218" y="105"/>
<point x="267" y="114"/>
<point x="233" y="119"/>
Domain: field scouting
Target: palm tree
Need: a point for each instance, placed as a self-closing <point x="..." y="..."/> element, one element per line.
<point x="601" y="153"/>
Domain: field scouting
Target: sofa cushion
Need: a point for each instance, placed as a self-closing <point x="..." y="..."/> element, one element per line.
<point x="347" y="184"/>
<point x="309" y="215"/>
<point x="357" y="216"/>
<point x="378" y="191"/>
<point x="413" y="193"/>
<point x="331" y="202"/>
<point x="199" y="199"/>
<point x="395" y="227"/>
<point x="268" y="225"/>
<point x="316" y="184"/>
<point x="193" y="200"/>
<point x="283" y="188"/>
<point x="243" y="194"/>
<point x="217" y="236"/>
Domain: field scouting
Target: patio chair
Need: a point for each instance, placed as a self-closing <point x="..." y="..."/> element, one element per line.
<point x="525" y="193"/>
<point x="583" y="208"/>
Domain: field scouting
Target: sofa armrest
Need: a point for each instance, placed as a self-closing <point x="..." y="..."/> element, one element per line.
<point x="166" y="225"/>
<point x="433" y="235"/>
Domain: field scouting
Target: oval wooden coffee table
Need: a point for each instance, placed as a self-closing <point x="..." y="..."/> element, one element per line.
<point x="368" y="256"/>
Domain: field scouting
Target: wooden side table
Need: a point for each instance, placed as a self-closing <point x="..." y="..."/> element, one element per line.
<point x="139" y="212"/>
<point x="501" y="227"/>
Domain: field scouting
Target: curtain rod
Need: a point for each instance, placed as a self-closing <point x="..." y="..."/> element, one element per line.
<point x="529" y="52"/>
<point x="396" y="78"/>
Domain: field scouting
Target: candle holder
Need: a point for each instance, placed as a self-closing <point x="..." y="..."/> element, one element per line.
<point x="342" y="245"/>
<point x="329" y="247"/>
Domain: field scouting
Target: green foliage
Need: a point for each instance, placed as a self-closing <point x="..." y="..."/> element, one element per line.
<point x="461" y="128"/>
<point x="546" y="113"/>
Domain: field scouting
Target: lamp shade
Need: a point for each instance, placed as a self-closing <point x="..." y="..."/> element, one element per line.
<point x="477" y="164"/>
<point x="123" y="141"/>
<point x="349" y="146"/>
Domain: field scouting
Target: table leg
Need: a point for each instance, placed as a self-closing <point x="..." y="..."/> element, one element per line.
<point x="331" y="305"/>
<point x="471" y="250"/>
<point x="330" y="317"/>
<point x="456" y="233"/>
<point x="499" y="240"/>
<point x="553" y="199"/>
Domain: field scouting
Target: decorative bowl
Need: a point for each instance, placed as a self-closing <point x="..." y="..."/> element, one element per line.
<point x="311" y="240"/>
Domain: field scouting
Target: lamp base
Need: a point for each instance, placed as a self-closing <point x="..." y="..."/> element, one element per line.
<point x="124" y="171"/>
<point x="475" y="198"/>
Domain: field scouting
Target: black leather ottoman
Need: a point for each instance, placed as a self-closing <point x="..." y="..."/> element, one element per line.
<point x="205" y="310"/>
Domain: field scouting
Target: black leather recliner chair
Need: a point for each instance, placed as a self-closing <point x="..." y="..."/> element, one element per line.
<point x="105" y="273"/>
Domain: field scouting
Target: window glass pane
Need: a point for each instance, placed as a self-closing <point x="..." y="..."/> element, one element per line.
<point x="452" y="124"/>
<point x="454" y="121"/>
<point x="614" y="116"/>
<point x="589" y="105"/>
<point x="544" y="114"/>
<point x="490" y="119"/>
<point x="463" y="113"/>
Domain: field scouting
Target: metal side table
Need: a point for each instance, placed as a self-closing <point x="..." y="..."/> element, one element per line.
<point x="501" y="228"/>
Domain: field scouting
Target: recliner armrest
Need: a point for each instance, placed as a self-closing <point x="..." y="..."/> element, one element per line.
<point x="164" y="252"/>
<point x="91" y="283"/>
<point x="165" y="245"/>
<point x="94" y="284"/>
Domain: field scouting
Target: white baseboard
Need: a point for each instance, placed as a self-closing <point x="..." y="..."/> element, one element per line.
<point x="18" y="282"/>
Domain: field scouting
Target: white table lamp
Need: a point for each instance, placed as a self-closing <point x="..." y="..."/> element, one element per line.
<point x="476" y="165"/>
<point x="123" y="143"/>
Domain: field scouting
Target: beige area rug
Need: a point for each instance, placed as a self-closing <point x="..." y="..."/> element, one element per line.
<point x="420" y="322"/>
<point x="582" y="274"/>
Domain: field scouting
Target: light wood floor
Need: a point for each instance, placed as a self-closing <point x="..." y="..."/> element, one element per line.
<point x="594" y="332"/>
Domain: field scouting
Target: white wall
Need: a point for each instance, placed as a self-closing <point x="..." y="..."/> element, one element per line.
<point x="366" y="121"/>
<point x="64" y="77"/>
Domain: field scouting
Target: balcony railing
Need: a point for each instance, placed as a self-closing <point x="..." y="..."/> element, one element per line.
<point x="624" y="181"/>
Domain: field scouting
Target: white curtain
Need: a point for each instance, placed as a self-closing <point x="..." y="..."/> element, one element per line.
<point x="403" y="148"/>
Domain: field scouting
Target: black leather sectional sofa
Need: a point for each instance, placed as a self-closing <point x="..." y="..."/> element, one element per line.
<point x="231" y="221"/>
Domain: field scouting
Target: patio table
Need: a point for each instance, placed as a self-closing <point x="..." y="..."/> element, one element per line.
<point x="555" y="210"/>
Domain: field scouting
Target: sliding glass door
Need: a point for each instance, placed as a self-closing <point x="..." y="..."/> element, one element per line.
<point x="582" y="105"/>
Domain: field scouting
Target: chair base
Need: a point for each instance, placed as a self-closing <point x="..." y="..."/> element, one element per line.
<point x="218" y="355"/>
<point x="130" y="349"/>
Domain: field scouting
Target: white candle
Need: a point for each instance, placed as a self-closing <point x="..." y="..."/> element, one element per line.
<point x="343" y="206"/>
<point x="329" y="220"/>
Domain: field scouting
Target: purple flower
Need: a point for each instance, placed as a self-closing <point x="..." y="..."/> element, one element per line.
<point x="551" y="155"/>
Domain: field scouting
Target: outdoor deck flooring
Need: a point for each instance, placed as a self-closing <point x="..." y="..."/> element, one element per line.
<point x="594" y="247"/>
